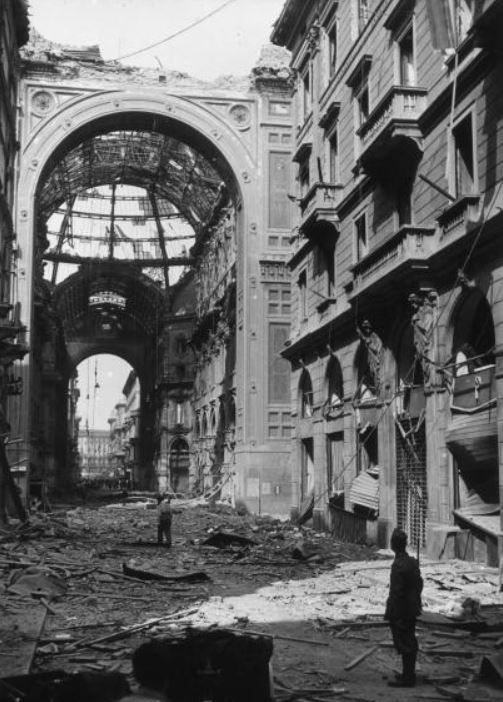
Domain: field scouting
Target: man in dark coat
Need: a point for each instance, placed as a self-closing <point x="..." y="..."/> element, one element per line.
<point x="164" y="519"/>
<point x="403" y="607"/>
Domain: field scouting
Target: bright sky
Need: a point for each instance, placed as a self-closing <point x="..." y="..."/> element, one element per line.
<point x="227" y="43"/>
<point x="96" y="404"/>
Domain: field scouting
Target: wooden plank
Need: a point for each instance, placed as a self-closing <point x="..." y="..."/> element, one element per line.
<point x="356" y="661"/>
<point x="19" y="634"/>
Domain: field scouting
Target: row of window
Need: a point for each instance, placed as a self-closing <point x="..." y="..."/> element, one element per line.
<point x="463" y="180"/>
<point x="458" y="12"/>
<point x="405" y="60"/>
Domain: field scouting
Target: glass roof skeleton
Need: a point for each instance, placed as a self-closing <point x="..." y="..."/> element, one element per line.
<point x="138" y="196"/>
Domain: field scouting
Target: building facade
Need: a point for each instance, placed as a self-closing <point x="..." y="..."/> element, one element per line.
<point x="123" y="456"/>
<point x="153" y="222"/>
<point x="94" y="455"/>
<point x="397" y="331"/>
<point x="13" y="35"/>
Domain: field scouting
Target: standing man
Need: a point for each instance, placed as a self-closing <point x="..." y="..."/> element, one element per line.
<point x="164" y="519"/>
<point x="403" y="607"/>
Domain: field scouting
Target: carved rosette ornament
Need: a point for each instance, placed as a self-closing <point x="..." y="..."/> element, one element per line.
<point x="374" y="347"/>
<point x="240" y="115"/>
<point x="424" y="308"/>
<point x="43" y="103"/>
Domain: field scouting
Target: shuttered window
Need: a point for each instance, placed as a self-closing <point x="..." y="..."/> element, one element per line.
<point x="279" y="368"/>
<point x="279" y="180"/>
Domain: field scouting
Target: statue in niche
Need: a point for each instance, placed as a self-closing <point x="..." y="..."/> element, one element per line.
<point x="423" y="308"/>
<point x="373" y="346"/>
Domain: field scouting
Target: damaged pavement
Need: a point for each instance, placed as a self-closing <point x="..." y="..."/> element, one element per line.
<point x="82" y="587"/>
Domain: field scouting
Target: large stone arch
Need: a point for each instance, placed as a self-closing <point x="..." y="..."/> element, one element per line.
<point x="199" y="126"/>
<point x="106" y="107"/>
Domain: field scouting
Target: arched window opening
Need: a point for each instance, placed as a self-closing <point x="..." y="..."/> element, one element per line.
<point x="335" y="391"/>
<point x="335" y="386"/>
<point x="473" y="342"/>
<point x="471" y="435"/>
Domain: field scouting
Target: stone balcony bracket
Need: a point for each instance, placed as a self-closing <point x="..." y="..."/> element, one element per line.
<point x="330" y="115"/>
<point x="392" y="131"/>
<point x="408" y="245"/>
<point x="303" y="151"/>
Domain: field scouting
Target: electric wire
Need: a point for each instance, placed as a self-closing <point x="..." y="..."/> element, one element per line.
<point x="177" y="33"/>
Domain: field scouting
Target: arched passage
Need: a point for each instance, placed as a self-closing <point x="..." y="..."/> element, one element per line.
<point x="188" y="165"/>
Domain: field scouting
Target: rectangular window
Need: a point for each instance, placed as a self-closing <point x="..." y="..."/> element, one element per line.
<point x="362" y="104"/>
<point x="333" y="145"/>
<point x="302" y="291"/>
<point x="464" y="157"/>
<point x="280" y="109"/>
<point x="280" y="425"/>
<point x="273" y="301"/>
<point x="330" y="270"/>
<point x="305" y="85"/>
<point x="332" y="49"/>
<point x="304" y="176"/>
<point x="361" y="237"/>
<point x="403" y="204"/>
<point x="279" y="367"/>
<point x="278" y="301"/>
<point x="279" y="184"/>
<point x="406" y="58"/>
<point x="324" y="265"/>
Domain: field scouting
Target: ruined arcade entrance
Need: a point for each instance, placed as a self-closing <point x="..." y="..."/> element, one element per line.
<point x="119" y="206"/>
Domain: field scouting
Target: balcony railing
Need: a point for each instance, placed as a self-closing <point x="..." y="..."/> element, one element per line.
<point x="455" y="219"/>
<point x="320" y="202"/>
<point x="474" y="391"/>
<point x="408" y="244"/>
<point x="396" y="114"/>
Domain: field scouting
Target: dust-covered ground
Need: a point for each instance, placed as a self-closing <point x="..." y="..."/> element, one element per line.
<point x="73" y="584"/>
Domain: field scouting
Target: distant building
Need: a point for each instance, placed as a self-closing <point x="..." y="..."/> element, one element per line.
<point x="397" y="269"/>
<point x="124" y="432"/>
<point x="94" y="452"/>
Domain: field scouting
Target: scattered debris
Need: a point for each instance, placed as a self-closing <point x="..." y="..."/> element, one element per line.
<point x="115" y="591"/>
<point x="194" y="577"/>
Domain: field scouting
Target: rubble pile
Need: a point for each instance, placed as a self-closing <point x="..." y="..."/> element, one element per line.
<point x="85" y="586"/>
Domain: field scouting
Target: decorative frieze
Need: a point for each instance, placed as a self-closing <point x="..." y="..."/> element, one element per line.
<point x="274" y="271"/>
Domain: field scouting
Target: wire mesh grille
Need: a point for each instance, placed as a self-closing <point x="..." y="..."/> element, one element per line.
<point x="411" y="493"/>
